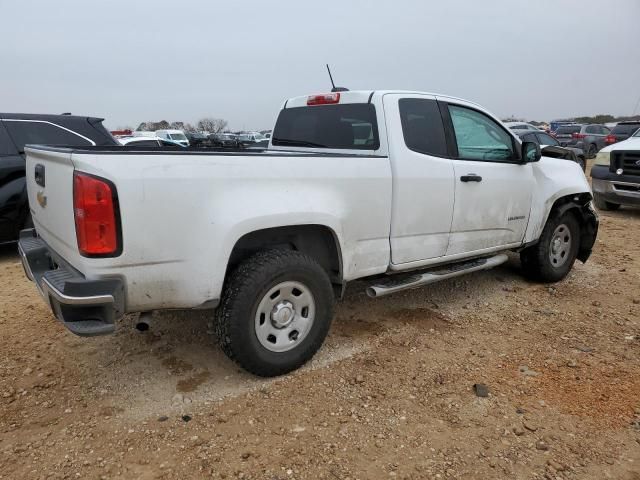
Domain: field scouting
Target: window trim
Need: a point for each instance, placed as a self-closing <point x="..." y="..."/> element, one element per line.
<point x="444" y="128"/>
<point x="517" y="160"/>
<point x="49" y="123"/>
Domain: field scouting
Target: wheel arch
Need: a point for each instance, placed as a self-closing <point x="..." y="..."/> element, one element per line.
<point x="319" y="241"/>
<point x="579" y="204"/>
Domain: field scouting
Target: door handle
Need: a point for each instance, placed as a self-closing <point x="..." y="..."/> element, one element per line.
<point x="471" y="177"/>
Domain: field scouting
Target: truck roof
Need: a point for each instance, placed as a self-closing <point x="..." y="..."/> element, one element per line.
<point x="47" y="117"/>
<point x="365" y="96"/>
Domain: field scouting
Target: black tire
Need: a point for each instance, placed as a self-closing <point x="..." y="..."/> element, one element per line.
<point x="582" y="162"/>
<point x="539" y="262"/>
<point x="602" y="204"/>
<point x="592" y="151"/>
<point x="243" y="293"/>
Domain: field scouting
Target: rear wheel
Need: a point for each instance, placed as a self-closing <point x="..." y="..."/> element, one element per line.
<point x="276" y="311"/>
<point x="602" y="204"/>
<point x="551" y="259"/>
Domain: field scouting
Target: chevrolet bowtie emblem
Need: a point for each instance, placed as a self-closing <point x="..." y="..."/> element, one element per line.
<point x="42" y="199"/>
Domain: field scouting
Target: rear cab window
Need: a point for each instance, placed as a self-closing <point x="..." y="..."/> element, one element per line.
<point x="350" y="126"/>
<point x="546" y="139"/>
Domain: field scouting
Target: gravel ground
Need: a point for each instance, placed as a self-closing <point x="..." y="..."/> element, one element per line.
<point x="391" y="394"/>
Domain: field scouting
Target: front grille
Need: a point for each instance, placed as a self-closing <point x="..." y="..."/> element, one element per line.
<point x="629" y="162"/>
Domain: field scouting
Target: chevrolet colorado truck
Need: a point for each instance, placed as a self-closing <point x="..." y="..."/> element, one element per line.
<point x="400" y="188"/>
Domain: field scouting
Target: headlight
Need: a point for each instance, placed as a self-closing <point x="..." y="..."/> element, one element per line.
<point x="603" y="158"/>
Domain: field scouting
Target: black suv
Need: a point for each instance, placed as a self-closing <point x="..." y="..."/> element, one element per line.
<point x="622" y="131"/>
<point x="20" y="129"/>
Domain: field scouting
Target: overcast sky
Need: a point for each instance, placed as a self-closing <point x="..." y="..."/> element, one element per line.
<point x="134" y="60"/>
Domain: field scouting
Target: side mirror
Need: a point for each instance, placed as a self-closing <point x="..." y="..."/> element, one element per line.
<point x="530" y="152"/>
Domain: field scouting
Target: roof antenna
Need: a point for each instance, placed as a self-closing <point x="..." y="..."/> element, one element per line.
<point x="333" y="85"/>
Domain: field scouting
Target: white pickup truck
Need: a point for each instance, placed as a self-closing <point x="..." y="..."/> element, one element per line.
<point x="404" y="188"/>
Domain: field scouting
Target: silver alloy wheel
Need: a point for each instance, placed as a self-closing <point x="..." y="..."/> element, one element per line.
<point x="285" y="316"/>
<point x="560" y="247"/>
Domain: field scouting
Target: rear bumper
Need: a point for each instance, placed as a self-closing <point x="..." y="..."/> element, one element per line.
<point x="86" y="307"/>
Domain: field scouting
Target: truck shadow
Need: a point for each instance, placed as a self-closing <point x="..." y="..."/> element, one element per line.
<point x="176" y="366"/>
<point x="8" y="252"/>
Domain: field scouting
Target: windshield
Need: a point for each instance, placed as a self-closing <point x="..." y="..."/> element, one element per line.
<point x="637" y="134"/>
<point x="349" y="126"/>
<point x="177" y="136"/>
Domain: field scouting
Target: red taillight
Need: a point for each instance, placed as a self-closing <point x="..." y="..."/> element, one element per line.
<point x="578" y="135"/>
<point x="610" y="139"/>
<point x="324" y="99"/>
<point x="95" y="212"/>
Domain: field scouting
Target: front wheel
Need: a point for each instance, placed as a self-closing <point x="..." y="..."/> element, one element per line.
<point x="582" y="162"/>
<point x="592" y="151"/>
<point x="551" y="259"/>
<point x="275" y="313"/>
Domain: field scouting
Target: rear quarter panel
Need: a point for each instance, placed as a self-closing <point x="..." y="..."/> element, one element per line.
<point x="182" y="215"/>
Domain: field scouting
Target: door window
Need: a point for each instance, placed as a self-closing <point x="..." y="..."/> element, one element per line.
<point x="479" y="137"/>
<point x="422" y="126"/>
<point x="42" y="133"/>
<point x="592" y="129"/>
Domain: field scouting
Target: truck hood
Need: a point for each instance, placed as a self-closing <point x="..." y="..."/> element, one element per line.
<point x="632" y="143"/>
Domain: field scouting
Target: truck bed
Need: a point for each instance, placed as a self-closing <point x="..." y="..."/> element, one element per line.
<point x="183" y="210"/>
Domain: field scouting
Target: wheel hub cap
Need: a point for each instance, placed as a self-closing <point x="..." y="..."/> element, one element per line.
<point x="282" y="314"/>
<point x="560" y="247"/>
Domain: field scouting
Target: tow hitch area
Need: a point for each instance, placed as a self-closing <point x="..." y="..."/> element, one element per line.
<point x="86" y="307"/>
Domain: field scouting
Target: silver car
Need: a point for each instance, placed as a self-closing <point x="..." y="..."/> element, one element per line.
<point x="590" y="138"/>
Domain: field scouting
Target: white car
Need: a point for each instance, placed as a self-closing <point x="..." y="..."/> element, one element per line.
<point x="521" y="126"/>
<point x="148" y="141"/>
<point x="175" y="135"/>
<point x="434" y="187"/>
<point x="251" y="137"/>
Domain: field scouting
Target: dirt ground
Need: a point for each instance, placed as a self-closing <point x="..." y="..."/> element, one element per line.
<point x="390" y="395"/>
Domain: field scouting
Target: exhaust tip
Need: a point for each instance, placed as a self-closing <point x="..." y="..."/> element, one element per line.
<point x="371" y="292"/>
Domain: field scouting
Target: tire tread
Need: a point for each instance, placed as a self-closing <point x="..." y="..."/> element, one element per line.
<point x="238" y="289"/>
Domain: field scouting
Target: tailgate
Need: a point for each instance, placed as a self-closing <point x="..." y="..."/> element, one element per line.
<point x="49" y="176"/>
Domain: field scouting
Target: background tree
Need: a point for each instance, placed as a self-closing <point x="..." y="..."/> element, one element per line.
<point x="212" y="125"/>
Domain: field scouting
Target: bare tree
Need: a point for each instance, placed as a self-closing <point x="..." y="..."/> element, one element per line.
<point x="212" y="125"/>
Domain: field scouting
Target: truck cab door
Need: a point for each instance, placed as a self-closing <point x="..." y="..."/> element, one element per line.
<point x="493" y="186"/>
<point x="423" y="182"/>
